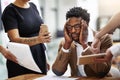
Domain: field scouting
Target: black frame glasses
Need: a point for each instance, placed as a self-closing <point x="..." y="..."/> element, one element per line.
<point x="76" y="27"/>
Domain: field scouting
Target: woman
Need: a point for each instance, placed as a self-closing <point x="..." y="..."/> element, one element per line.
<point x="22" y="23"/>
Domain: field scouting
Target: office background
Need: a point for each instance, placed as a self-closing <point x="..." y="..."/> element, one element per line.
<point x="53" y="14"/>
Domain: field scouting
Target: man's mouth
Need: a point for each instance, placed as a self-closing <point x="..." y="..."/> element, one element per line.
<point x="74" y="35"/>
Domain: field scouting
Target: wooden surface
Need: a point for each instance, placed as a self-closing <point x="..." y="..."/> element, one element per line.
<point x="33" y="76"/>
<point x="93" y="78"/>
<point x="26" y="77"/>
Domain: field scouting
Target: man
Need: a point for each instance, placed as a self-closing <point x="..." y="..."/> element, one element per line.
<point x="76" y="43"/>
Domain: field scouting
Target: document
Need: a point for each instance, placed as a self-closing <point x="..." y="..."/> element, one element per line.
<point x="89" y="59"/>
<point x="51" y="77"/>
<point x="23" y="55"/>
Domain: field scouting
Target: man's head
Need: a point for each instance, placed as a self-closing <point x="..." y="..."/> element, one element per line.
<point x="74" y="19"/>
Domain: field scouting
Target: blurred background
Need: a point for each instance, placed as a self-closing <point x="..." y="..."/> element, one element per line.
<point x="53" y="13"/>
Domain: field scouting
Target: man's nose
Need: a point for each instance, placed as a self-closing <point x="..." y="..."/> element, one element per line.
<point x="73" y="29"/>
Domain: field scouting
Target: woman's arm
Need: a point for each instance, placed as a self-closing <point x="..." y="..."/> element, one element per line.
<point x="113" y="23"/>
<point x="7" y="54"/>
<point x="41" y="38"/>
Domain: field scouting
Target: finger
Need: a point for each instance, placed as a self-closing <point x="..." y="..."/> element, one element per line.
<point x="48" y="66"/>
<point x="84" y="23"/>
<point x="47" y="37"/>
<point x="66" y="23"/>
<point x="66" y="34"/>
<point x="95" y="43"/>
<point x="65" y="30"/>
<point x="94" y="50"/>
<point x="84" y="32"/>
<point x="13" y="58"/>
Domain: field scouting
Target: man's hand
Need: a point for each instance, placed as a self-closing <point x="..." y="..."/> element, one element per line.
<point x="67" y="37"/>
<point x="83" y="34"/>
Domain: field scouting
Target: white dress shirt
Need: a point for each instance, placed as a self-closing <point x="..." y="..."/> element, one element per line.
<point x="80" y="67"/>
<point x="80" y="50"/>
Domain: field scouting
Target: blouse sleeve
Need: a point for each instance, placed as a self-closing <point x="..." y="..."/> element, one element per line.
<point x="34" y="6"/>
<point x="9" y="19"/>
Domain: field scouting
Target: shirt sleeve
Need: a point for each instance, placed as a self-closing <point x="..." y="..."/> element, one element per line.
<point x="115" y="50"/>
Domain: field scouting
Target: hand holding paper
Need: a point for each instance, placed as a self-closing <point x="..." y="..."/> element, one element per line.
<point x="89" y="59"/>
<point x="23" y="55"/>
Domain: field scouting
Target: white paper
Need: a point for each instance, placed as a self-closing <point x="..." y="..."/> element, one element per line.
<point x="51" y="77"/>
<point x="23" y="55"/>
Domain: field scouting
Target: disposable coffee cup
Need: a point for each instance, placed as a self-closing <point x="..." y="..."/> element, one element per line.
<point x="44" y="28"/>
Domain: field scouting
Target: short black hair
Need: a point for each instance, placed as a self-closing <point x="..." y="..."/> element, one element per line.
<point x="78" y="12"/>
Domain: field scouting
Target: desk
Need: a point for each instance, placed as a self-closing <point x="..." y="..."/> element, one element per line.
<point x="33" y="76"/>
<point x="93" y="78"/>
<point x="26" y="77"/>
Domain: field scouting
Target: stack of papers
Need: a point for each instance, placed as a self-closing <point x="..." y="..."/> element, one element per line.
<point x="51" y="77"/>
<point x="23" y="55"/>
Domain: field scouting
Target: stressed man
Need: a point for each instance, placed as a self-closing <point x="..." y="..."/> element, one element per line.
<point x="76" y="43"/>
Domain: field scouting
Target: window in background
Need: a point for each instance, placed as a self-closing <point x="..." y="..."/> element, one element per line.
<point x="102" y="21"/>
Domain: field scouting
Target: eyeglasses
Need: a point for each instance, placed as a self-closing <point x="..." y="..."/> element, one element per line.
<point x="76" y="27"/>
